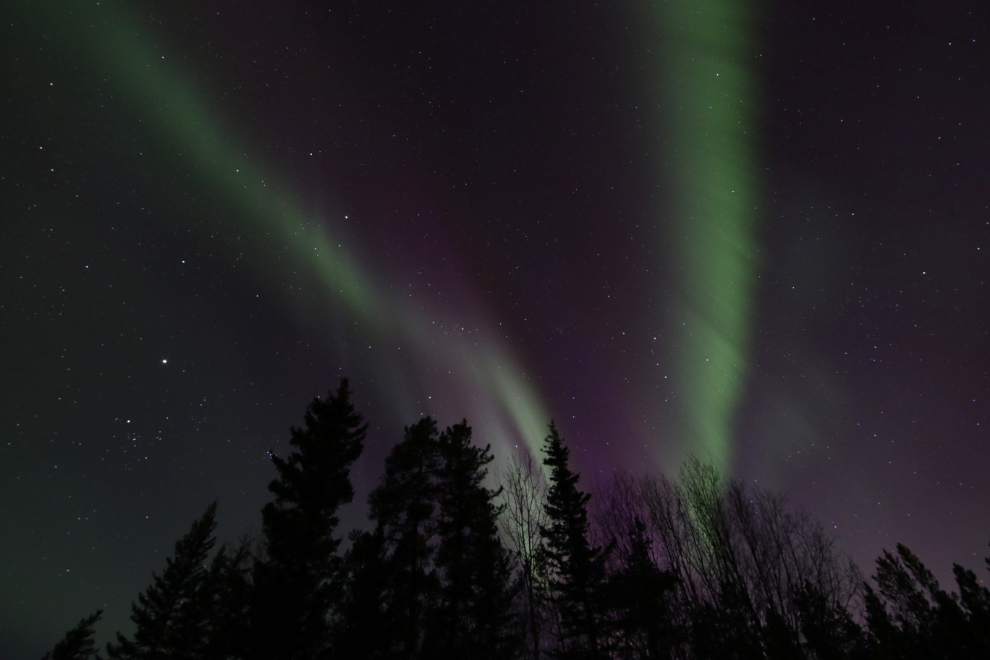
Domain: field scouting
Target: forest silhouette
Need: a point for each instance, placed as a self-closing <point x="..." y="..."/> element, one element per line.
<point x="460" y="563"/>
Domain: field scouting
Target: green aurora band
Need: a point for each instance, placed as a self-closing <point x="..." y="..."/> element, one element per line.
<point x="708" y="95"/>
<point x="708" y="100"/>
<point x="501" y="401"/>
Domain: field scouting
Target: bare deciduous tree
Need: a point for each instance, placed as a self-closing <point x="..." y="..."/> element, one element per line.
<point x="524" y="492"/>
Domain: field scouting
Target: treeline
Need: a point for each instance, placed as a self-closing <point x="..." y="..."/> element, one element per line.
<point x="695" y="568"/>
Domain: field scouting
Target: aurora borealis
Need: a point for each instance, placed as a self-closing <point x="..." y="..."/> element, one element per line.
<point x="750" y="232"/>
<point x="708" y="98"/>
<point x="264" y="204"/>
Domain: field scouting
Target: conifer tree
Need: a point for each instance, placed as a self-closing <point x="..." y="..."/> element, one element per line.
<point x="365" y="626"/>
<point x="641" y="595"/>
<point x="297" y="579"/>
<point x="172" y="615"/>
<point x="472" y="615"/>
<point x="974" y="598"/>
<point x="918" y="619"/>
<point x="228" y="589"/>
<point x="78" y="642"/>
<point x="403" y="507"/>
<point x="575" y="568"/>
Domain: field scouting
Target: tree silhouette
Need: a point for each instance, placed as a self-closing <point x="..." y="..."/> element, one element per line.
<point x="642" y="597"/>
<point x="298" y="578"/>
<point x="912" y="617"/>
<point x="403" y="507"/>
<point x="523" y="515"/>
<point x="828" y="628"/>
<point x="755" y="579"/>
<point x="172" y="616"/>
<point x="78" y="642"/>
<point x="228" y="591"/>
<point x="365" y="626"/>
<point x="473" y="612"/>
<point x="974" y="599"/>
<point x="694" y="568"/>
<point x="575" y="569"/>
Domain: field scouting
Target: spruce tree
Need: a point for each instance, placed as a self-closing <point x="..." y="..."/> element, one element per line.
<point x="472" y="615"/>
<point x="403" y="507"/>
<point x="576" y="569"/>
<point x="78" y="642"/>
<point x="297" y="580"/>
<point x="172" y="616"/>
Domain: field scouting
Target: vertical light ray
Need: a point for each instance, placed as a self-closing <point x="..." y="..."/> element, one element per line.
<point x="709" y="102"/>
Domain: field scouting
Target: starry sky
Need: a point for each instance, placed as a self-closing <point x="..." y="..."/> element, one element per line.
<point x="754" y="232"/>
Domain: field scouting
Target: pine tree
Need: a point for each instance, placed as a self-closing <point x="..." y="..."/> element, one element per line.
<point x="78" y="642"/>
<point x="472" y="616"/>
<point x="576" y="569"/>
<point x="172" y="615"/>
<point x="918" y="619"/>
<point x="298" y="578"/>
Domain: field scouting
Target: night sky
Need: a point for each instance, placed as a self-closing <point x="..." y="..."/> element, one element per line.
<point x="758" y="233"/>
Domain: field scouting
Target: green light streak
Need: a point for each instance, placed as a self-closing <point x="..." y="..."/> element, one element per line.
<point x="182" y="119"/>
<point x="709" y="103"/>
<point x="507" y="408"/>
